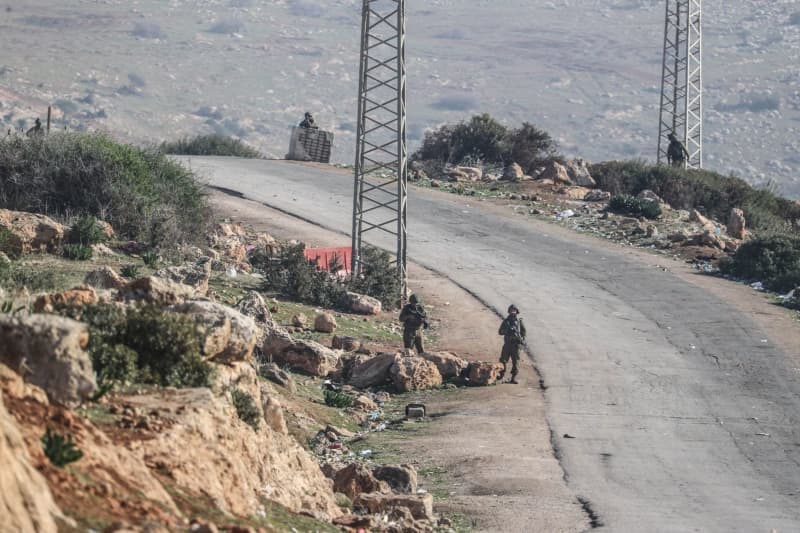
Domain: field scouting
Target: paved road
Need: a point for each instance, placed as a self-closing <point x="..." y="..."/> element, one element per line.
<point x="685" y="415"/>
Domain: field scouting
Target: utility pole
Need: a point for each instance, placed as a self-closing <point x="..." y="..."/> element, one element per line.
<point x="681" y="110"/>
<point x="381" y="169"/>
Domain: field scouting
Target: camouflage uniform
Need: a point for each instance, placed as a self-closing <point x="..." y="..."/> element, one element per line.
<point x="36" y="130"/>
<point x="414" y="319"/>
<point x="513" y="331"/>
<point x="308" y="122"/>
<point x="676" y="151"/>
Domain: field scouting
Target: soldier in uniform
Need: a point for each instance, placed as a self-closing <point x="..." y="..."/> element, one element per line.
<point x="36" y="130"/>
<point x="513" y="331"/>
<point x="414" y="319"/>
<point x="308" y="122"/>
<point x="676" y="152"/>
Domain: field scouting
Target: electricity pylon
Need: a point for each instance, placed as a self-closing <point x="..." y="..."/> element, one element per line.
<point x="682" y="81"/>
<point x="381" y="169"/>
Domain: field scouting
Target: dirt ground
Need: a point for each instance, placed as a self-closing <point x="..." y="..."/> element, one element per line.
<point x="491" y="443"/>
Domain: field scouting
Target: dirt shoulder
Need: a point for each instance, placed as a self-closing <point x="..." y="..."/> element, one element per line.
<point x="486" y="450"/>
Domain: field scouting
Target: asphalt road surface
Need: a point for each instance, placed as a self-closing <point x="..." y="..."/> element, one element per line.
<point x="684" y="412"/>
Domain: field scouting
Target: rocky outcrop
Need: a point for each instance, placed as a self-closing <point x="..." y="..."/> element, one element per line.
<point x="737" y="226"/>
<point x="400" y="478"/>
<point x="300" y="320"/>
<point x="273" y="412"/>
<point x="356" y="479"/>
<point x="22" y="232"/>
<point x="512" y="172"/>
<point x="104" y="278"/>
<point x="578" y="171"/>
<point x="575" y="192"/>
<point x="420" y="505"/>
<point x="414" y="373"/>
<point x="306" y="356"/>
<point x="597" y="196"/>
<point x="47" y="350"/>
<point x="195" y="275"/>
<point x="556" y="172"/>
<point x="371" y="371"/>
<point x="77" y="297"/>
<point x="362" y="304"/>
<point x="449" y="365"/>
<point x="482" y="374"/>
<point x="228" y="334"/>
<point x="325" y="323"/>
<point x="277" y="375"/>
<point x="26" y="504"/>
<point x="155" y="290"/>
<point x="348" y="344"/>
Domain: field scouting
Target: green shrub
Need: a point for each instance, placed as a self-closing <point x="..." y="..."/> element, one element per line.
<point x="338" y="399"/>
<point x="86" y="231"/>
<point x="77" y="252"/>
<point x="211" y="145"/>
<point x="774" y="261"/>
<point x="379" y="277"/>
<point x="16" y="276"/>
<point x="130" y="271"/>
<point x="61" y="451"/>
<point x="635" y="207"/>
<point x="150" y="258"/>
<point x="687" y="189"/>
<point x="246" y="408"/>
<point x="133" y="189"/>
<point x="529" y="147"/>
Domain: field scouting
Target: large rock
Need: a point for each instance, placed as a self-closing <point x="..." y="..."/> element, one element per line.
<point x="348" y="344"/>
<point x="155" y="290"/>
<point x="737" y="224"/>
<point x="325" y="323"/>
<point x="253" y="305"/>
<point x="76" y="297"/>
<point x="414" y="373"/>
<point x="229" y="335"/>
<point x="482" y="374"/>
<point x="420" y="505"/>
<point x="512" y="172"/>
<point x="371" y="371"/>
<point x="356" y="479"/>
<point x="449" y="365"/>
<point x="578" y="171"/>
<point x="47" y="350"/>
<point x="104" y="278"/>
<point x="26" y="504"/>
<point x="273" y="412"/>
<point x="22" y="232"/>
<point x="469" y="173"/>
<point x="195" y="275"/>
<point x="556" y="172"/>
<point x="277" y="375"/>
<point x="597" y="196"/>
<point x="306" y="356"/>
<point x="362" y="304"/>
<point x="695" y="216"/>
<point x="575" y="192"/>
<point x="401" y="478"/>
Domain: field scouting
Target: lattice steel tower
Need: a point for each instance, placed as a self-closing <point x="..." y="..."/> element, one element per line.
<point x="682" y="81"/>
<point x="381" y="168"/>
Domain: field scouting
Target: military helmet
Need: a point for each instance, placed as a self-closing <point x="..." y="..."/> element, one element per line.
<point x="413" y="299"/>
<point x="512" y="308"/>
<point x="308" y="114"/>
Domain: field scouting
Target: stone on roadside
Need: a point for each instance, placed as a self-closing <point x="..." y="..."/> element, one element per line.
<point x="362" y="304"/>
<point x="325" y="323"/>
<point x="75" y="297"/>
<point x="575" y="192"/>
<point x="104" y="278"/>
<point x="420" y="505"/>
<point x="401" y="478"/>
<point x="343" y="342"/>
<point x="449" y="365"/>
<point x="481" y="374"/>
<point x="512" y="172"/>
<point x="48" y="351"/>
<point x="306" y="356"/>
<point x="356" y="479"/>
<point x="24" y="232"/>
<point x="228" y="335"/>
<point x="470" y="173"/>
<point x="371" y="371"/>
<point x="364" y="403"/>
<point x="414" y="373"/>
<point x="737" y="224"/>
<point x="695" y="216"/>
<point x="556" y="172"/>
<point x="578" y="171"/>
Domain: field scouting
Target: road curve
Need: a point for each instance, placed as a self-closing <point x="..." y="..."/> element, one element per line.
<point x="684" y="411"/>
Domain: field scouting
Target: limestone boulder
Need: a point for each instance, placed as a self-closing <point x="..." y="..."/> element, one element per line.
<point x="414" y="373"/>
<point x="449" y="365"/>
<point x="371" y="371"/>
<point x="305" y="356"/>
<point x="343" y="342"/>
<point x="470" y="173"/>
<point x="195" y="275"/>
<point x="420" y="505"/>
<point x="156" y="290"/>
<point x="22" y="232"/>
<point x="482" y="374"/>
<point x="737" y="226"/>
<point x="578" y="171"/>
<point x="356" y="479"/>
<point x="400" y="478"/>
<point x="277" y="375"/>
<point x="362" y="304"/>
<point x="512" y="172"/>
<point x="48" y="351"/>
<point x="364" y="403"/>
<point x="597" y="196"/>
<point x="556" y="172"/>
<point x="575" y="192"/>
<point x="273" y="412"/>
<point x="253" y="305"/>
<point x="300" y="320"/>
<point x="76" y="297"/>
<point x="104" y="278"/>
<point x="325" y="323"/>
<point x="228" y="334"/>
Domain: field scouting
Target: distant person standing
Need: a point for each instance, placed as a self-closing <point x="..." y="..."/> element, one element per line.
<point x="513" y="331"/>
<point x="308" y="122"/>
<point x="676" y="152"/>
<point x="36" y="130"/>
<point x="414" y="319"/>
